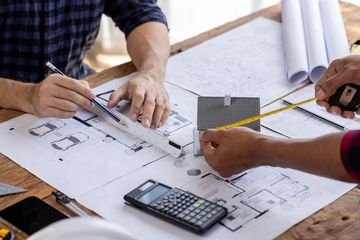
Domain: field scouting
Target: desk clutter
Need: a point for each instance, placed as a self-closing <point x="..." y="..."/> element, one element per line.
<point x="239" y="74"/>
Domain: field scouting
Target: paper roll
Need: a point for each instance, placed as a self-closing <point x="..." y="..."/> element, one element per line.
<point x="334" y="31"/>
<point x="294" y="41"/>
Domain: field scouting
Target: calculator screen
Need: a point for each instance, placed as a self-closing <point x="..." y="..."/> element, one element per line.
<point x="153" y="194"/>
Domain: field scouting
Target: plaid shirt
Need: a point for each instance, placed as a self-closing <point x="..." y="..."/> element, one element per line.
<point x="350" y="153"/>
<point x="60" y="31"/>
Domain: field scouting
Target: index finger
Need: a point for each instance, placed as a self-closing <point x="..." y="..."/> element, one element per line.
<point x="75" y="85"/>
<point x="211" y="136"/>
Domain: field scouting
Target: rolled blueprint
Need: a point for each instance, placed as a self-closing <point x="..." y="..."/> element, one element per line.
<point x="314" y="38"/>
<point x="294" y="41"/>
<point x="334" y="31"/>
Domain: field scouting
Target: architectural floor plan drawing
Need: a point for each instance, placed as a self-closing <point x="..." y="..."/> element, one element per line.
<point x="70" y="153"/>
<point x="250" y="195"/>
<point x="266" y="198"/>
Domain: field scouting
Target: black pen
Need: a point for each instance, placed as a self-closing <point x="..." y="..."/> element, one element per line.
<point x="101" y="107"/>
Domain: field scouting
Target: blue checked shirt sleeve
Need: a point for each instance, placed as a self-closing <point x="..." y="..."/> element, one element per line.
<point x="129" y="14"/>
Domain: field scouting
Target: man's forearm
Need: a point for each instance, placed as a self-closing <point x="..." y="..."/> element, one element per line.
<point x="320" y="155"/>
<point x="15" y="95"/>
<point x="148" y="46"/>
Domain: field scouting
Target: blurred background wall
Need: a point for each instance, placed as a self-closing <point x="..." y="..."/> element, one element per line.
<point x="186" y="18"/>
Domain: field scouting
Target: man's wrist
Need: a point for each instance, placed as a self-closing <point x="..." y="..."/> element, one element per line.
<point x="156" y="73"/>
<point x="271" y="151"/>
<point x="24" y="96"/>
<point x="16" y="95"/>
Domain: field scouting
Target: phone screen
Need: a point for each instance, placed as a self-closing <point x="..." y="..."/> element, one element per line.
<point x="31" y="215"/>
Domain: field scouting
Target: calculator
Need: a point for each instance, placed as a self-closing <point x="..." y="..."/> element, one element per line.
<point x="177" y="206"/>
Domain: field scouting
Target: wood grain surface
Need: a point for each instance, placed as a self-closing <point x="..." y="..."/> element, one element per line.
<point x="339" y="220"/>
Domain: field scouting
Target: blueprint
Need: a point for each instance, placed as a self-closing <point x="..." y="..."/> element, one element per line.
<point x="247" y="61"/>
<point x="71" y="154"/>
<point x="266" y="198"/>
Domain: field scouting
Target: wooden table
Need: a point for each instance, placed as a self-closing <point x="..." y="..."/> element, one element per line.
<point x="339" y="220"/>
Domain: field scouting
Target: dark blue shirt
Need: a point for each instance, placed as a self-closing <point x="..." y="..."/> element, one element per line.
<point x="60" y="31"/>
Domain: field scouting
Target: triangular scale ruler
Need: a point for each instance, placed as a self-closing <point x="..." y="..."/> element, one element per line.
<point x="6" y="189"/>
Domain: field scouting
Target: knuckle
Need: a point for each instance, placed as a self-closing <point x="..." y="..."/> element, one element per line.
<point x="160" y="106"/>
<point x="149" y="102"/>
<point x="138" y="95"/>
<point x="135" y="108"/>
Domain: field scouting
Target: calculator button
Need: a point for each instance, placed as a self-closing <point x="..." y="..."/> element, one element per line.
<point x="197" y="211"/>
<point x="191" y="208"/>
<point x="205" y="218"/>
<point x="193" y="221"/>
<point x="218" y="209"/>
<point x="206" y="204"/>
<point x="199" y="223"/>
<point x="214" y="212"/>
<point x="209" y="215"/>
<point x="212" y="206"/>
<point x="203" y="213"/>
<point x="186" y="212"/>
<point x="192" y="214"/>
<point x="207" y="210"/>
<point x="198" y="217"/>
<point x="202" y="207"/>
<point x="187" y="218"/>
<point x="197" y="203"/>
<point x="181" y="215"/>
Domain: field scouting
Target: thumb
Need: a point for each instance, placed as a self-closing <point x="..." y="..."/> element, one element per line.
<point x="208" y="136"/>
<point x="207" y="149"/>
<point x="332" y="84"/>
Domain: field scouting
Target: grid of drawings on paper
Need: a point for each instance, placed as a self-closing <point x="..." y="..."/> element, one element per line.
<point x="73" y="146"/>
<point x="254" y="198"/>
<point x="251" y="195"/>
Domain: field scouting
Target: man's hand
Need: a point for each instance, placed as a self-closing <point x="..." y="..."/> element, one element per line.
<point x="232" y="151"/>
<point x="149" y="48"/>
<point x="59" y="96"/>
<point x="147" y="92"/>
<point x="340" y="72"/>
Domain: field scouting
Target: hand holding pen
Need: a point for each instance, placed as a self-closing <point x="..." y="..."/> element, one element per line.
<point x="92" y="100"/>
<point x="60" y="96"/>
